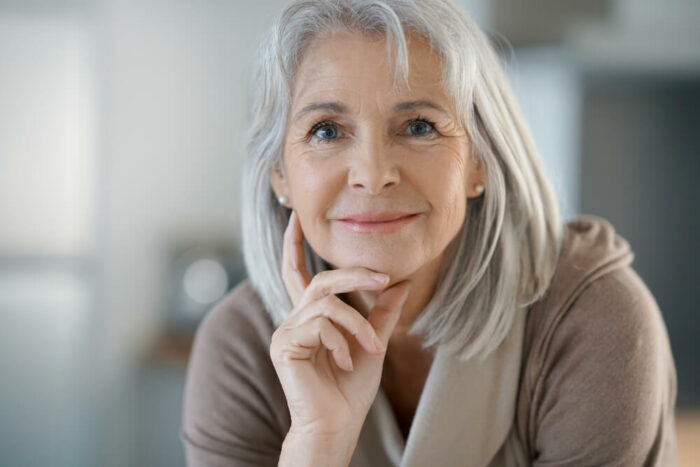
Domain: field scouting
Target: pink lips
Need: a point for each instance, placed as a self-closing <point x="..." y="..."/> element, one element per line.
<point x="384" y="222"/>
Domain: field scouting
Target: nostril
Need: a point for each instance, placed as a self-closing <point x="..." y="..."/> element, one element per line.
<point x="373" y="183"/>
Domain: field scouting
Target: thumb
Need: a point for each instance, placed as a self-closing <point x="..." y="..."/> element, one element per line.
<point x="387" y="309"/>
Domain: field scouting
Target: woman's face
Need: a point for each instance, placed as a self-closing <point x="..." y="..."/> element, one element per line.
<point x="354" y="144"/>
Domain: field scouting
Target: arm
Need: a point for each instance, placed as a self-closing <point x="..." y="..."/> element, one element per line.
<point x="607" y="389"/>
<point x="232" y="415"/>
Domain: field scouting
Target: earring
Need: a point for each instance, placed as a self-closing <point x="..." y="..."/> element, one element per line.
<point x="480" y="189"/>
<point x="283" y="200"/>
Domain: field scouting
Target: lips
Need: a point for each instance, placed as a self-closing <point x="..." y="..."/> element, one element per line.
<point x="376" y="227"/>
<point x="384" y="216"/>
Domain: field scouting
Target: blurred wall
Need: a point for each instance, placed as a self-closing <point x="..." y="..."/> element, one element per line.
<point x="121" y="133"/>
<point x="173" y="77"/>
<point x="47" y="235"/>
<point x="641" y="169"/>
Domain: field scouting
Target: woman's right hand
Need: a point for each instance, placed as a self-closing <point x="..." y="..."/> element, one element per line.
<point x="313" y="348"/>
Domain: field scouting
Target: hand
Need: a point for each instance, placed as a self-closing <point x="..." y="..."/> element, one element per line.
<point x="324" y="352"/>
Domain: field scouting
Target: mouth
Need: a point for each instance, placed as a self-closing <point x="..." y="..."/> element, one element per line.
<point x="359" y="225"/>
<point x="382" y="216"/>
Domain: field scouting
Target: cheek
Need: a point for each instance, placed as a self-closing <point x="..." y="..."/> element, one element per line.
<point x="315" y="185"/>
<point x="443" y="183"/>
<point x="310" y="178"/>
<point x="317" y="181"/>
<point x="449" y="204"/>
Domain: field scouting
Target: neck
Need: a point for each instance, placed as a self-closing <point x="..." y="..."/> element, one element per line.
<point x="424" y="281"/>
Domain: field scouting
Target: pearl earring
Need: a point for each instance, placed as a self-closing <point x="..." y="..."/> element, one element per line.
<point x="480" y="189"/>
<point x="283" y="200"/>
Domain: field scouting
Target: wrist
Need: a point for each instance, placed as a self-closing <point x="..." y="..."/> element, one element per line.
<point x="306" y="448"/>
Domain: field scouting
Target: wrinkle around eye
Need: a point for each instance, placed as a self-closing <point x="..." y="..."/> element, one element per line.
<point x="314" y="141"/>
<point x="452" y="129"/>
<point x="307" y="145"/>
<point x="435" y="147"/>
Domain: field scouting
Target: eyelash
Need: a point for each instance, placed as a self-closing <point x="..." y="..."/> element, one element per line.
<point x="317" y="126"/>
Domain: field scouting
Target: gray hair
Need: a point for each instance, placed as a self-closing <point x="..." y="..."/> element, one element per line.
<point x="503" y="257"/>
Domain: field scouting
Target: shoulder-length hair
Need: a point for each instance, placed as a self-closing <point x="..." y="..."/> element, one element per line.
<point x="504" y="256"/>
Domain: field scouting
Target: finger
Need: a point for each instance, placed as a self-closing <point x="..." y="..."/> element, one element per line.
<point x="387" y="309"/>
<point x="335" y="281"/>
<point x="309" y="336"/>
<point x="343" y="315"/>
<point x="294" y="274"/>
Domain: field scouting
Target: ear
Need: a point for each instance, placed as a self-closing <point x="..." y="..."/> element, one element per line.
<point x="278" y="182"/>
<point x="476" y="176"/>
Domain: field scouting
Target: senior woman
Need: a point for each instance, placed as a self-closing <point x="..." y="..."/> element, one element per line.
<point x="412" y="297"/>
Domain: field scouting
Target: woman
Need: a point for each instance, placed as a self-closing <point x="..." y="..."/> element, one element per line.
<point x="412" y="298"/>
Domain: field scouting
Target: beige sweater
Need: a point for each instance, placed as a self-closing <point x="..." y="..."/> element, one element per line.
<point x="586" y="377"/>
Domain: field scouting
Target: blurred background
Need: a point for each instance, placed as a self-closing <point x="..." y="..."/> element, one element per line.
<point x="121" y="127"/>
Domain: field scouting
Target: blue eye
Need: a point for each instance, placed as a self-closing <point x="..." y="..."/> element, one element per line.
<point x="420" y="128"/>
<point x="325" y="131"/>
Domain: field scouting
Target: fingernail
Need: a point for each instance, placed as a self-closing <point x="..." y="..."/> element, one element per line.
<point x="378" y="344"/>
<point x="379" y="277"/>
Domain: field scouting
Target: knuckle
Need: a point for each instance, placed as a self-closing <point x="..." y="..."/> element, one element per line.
<point x="322" y="276"/>
<point x="275" y="338"/>
<point x="320" y="283"/>
<point x="328" y="302"/>
<point x="319" y="324"/>
<point x="273" y="351"/>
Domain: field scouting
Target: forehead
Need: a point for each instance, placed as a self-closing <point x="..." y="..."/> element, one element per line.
<point x="352" y="66"/>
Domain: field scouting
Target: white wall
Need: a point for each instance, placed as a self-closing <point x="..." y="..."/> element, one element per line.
<point x="46" y="135"/>
<point x="173" y="79"/>
<point x="549" y="90"/>
<point x="546" y="81"/>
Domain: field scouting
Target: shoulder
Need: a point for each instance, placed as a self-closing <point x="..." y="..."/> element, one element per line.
<point x="594" y="292"/>
<point x="614" y="316"/>
<point x="234" y="406"/>
<point x="600" y="377"/>
<point x="231" y="347"/>
<point x="238" y="319"/>
<point x="591" y="251"/>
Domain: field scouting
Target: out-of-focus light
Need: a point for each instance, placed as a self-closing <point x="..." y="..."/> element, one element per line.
<point x="205" y="281"/>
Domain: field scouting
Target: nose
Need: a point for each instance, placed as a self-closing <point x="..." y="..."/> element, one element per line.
<point x="372" y="168"/>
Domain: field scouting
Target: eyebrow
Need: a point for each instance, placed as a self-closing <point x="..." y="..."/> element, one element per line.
<point x="340" y="108"/>
<point x="410" y="105"/>
<point x="336" y="107"/>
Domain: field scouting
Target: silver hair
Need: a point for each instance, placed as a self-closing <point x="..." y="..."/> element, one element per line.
<point x="504" y="255"/>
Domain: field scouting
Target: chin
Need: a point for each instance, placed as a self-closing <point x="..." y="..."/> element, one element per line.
<point x="397" y="268"/>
